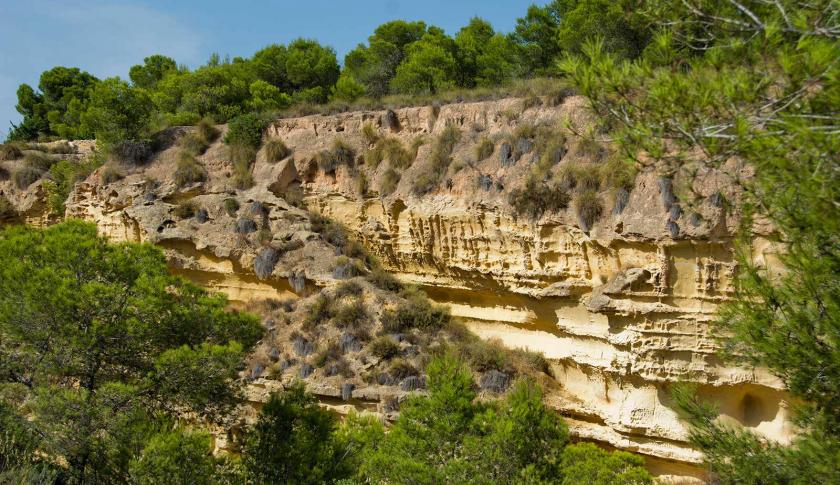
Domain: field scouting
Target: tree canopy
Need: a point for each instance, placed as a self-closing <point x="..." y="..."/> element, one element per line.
<point x="755" y="82"/>
<point x="103" y="346"/>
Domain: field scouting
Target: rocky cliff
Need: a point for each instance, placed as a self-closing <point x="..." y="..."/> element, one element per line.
<point x="621" y="306"/>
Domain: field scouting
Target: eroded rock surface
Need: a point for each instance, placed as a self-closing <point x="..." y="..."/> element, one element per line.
<point x="623" y="309"/>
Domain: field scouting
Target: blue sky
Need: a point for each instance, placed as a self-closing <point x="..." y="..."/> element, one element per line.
<point x="105" y="38"/>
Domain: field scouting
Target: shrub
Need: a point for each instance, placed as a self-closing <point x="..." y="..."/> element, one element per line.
<point x="321" y="310"/>
<point x="330" y="353"/>
<point x="188" y="170"/>
<point x="484" y="355"/>
<point x="389" y="181"/>
<point x="439" y="159"/>
<point x="7" y="210"/>
<point x="25" y="176"/>
<point x="243" y="157"/>
<point x="415" y="312"/>
<point x="618" y="173"/>
<point x="111" y="174"/>
<point x="384" y="280"/>
<point x="535" y="198"/>
<point x="340" y="153"/>
<point x="61" y="148"/>
<point x="344" y="267"/>
<point x="401" y="369"/>
<point x="264" y="235"/>
<point x="590" y="147"/>
<point x="39" y="161"/>
<point x="207" y="130"/>
<point x="384" y="347"/>
<point x="390" y="149"/>
<point x="185" y="209"/>
<point x="193" y="144"/>
<point x="352" y="315"/>
<point x="332" y="232"/>
<point x="484" y="149"/>
<point x="231" y="207"/>
<point x="370" y="133"/>
<point x="348" y="288"/>
<point x="246" y="130"/>
<point x="588" y="208"/>
<point x="531" y="360"/>
<point x="276" y="150"/>
<point x="9" y="151"/>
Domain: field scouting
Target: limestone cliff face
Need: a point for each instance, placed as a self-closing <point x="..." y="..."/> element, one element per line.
<point x="623" y="309"/>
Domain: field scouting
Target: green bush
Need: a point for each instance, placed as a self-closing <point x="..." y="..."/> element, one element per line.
<point x="384" y="280"/>
<point x="231" y="207"/>
<point x="111" y="174"/>
<point x="484" y="149"/>
<point x="348" y="288"/>
<point x="186" y="209"/>
<point x="401" y="369"/>
<point x="384" y="347"/>
<point x="487" y="355"/>
<point x="536" y="198"/>
<point x="188" y="170"/>
<point x="25" y="176"/>
<point x="320" y="311"/>
<point x="353" y="315"/>
<point x="246" y="130"/>
<point x="415" y="312"/>
<point x="276" y="150"/>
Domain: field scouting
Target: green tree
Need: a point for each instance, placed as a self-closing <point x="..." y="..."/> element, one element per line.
<point x="176" y="457"/>
<point x="755" y="82"/>
<point x="374" y="65"/>
<point x="485" y="58"/>
<point x="102" y="344"/>
<point x="311" y="66"/>
<point x="620" y="31"/>
<point x="293" y="441"/>
<point x="448" y="437"/>
<point x="536" y="35"/>
<point x="586" y="464"/>
<point x="429" y="66"/>
<point x="270" y="66"/>
<point x="57" y="109"/>
<point x="347" y="88"/>
<point x="265" y="96"/>
<point x="246" y="130"/>
<point x="152" y="71"/>
<point x="117" y="112"/>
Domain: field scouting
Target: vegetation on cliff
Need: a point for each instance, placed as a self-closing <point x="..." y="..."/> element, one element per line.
<point x="753" y="81"/>
<point x="399" y="58"/>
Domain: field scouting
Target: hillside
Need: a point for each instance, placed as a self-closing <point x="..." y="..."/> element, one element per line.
<point x="619" y="301"/>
